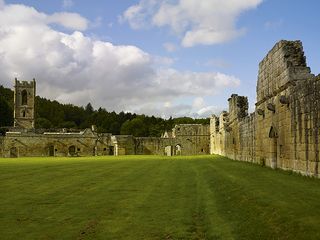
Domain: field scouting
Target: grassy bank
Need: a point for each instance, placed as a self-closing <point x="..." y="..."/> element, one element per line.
<point x="151" y="197"/>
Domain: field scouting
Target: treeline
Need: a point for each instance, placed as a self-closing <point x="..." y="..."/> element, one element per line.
<point x="52" y="114"/>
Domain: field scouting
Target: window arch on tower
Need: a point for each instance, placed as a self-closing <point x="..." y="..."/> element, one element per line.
<point x="24" y="97"/>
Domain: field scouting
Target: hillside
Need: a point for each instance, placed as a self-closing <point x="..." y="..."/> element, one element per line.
<point x="52" y="114"/>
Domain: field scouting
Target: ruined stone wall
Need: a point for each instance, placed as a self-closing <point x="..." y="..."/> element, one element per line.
<point x="151" y="145"/>
<point x="232" y="134"/>
<point x="187" y="139"/>
<point x="1" y="145"/>
<point x="192" y="145"/>
<point x="218" y="139"/>
<point x="283" y="131"/>
<point x="304" y="127"/>
<point x="28" y="144"/>
<point x="123" y="145"/>
<point x="286" y="90"/>
<point x="246" y="139"/>
<point x="190" y="139"/>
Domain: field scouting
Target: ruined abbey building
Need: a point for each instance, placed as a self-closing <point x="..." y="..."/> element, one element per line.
<point x="283" y="132"/>
<point x="24" y="141"/>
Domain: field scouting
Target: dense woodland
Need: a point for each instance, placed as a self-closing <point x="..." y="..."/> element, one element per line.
<point x="52" y="114"/>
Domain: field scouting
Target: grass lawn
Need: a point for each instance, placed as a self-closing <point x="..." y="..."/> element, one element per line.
<point x="152" y="197"/>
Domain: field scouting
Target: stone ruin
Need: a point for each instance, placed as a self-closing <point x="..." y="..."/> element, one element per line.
<point x="283" y="132"/>
<point x="25" y="141"/>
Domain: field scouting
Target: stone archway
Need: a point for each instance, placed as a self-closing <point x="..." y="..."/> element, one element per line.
<point x="111" y="150"/>
<point x="178" y="149"/>
<point x="51" y="151"/>
<point x="13" y="152"/>
<point x="72" y="150"/>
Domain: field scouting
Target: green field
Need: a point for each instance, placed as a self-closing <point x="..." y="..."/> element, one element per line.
<point x="151" y="197"/>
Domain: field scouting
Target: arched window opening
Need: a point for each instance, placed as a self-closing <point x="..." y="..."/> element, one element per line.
<point x="13" y="152"/>
<point x="51" y="150"/>
<point x="24" y="97"/>
<point x="273" y="132"/>
<point x="72" y="150"/>
<point x="178" y="149"/>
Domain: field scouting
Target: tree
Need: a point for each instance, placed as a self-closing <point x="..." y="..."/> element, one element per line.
<point x="135" y="127"/>
<point x="89" y="109"/>
<point x="6" y="113"/>
<point x="69" y="124"/>
<point x="43" y="123"/>
<point x="53" y="114"/>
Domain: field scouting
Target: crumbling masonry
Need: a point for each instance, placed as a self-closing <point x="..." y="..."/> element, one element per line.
<point x="283" y="132"/>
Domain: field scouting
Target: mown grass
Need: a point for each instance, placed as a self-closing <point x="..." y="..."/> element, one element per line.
<point x="152" y="197"/>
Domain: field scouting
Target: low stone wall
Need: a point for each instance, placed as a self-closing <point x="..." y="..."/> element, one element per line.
<point x="190" y="139"/>
<point x="187" y="139"/>
<point x="26" y="144"/>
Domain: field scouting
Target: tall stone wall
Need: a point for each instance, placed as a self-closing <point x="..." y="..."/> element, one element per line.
<point x="283" y="131"/>
<point x="246" y="139"/>
<point x="232" y="134"/>
<point x="304" y="126"/>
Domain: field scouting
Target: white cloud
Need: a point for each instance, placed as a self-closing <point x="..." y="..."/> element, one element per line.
<point x="217" y="63"/>
<point x="198" y="102"/>
<point x="28" y="17"/>
<point x="2" y="4"/>
<point x="169" y="109"/>
<point x="208" y="111"/>
<point x="170" y="47"/>
<point x="197" y="21"/>
<point x="69" y="20"/>
<point x="136" y="14"/>
<point x="74" y="68"/>
<point x="162" y="61"/>
<point x="67" y="3"/>
<point x="207" y="36"/>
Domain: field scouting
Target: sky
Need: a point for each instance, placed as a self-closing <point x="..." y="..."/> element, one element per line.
<point x="155" y="57"/>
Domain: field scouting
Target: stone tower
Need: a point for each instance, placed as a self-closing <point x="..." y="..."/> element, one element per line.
<point x="24" y="101"/>
<point x="238" y="107"/>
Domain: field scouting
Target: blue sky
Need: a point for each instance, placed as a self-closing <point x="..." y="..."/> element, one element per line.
<point x="167" y="58"/>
